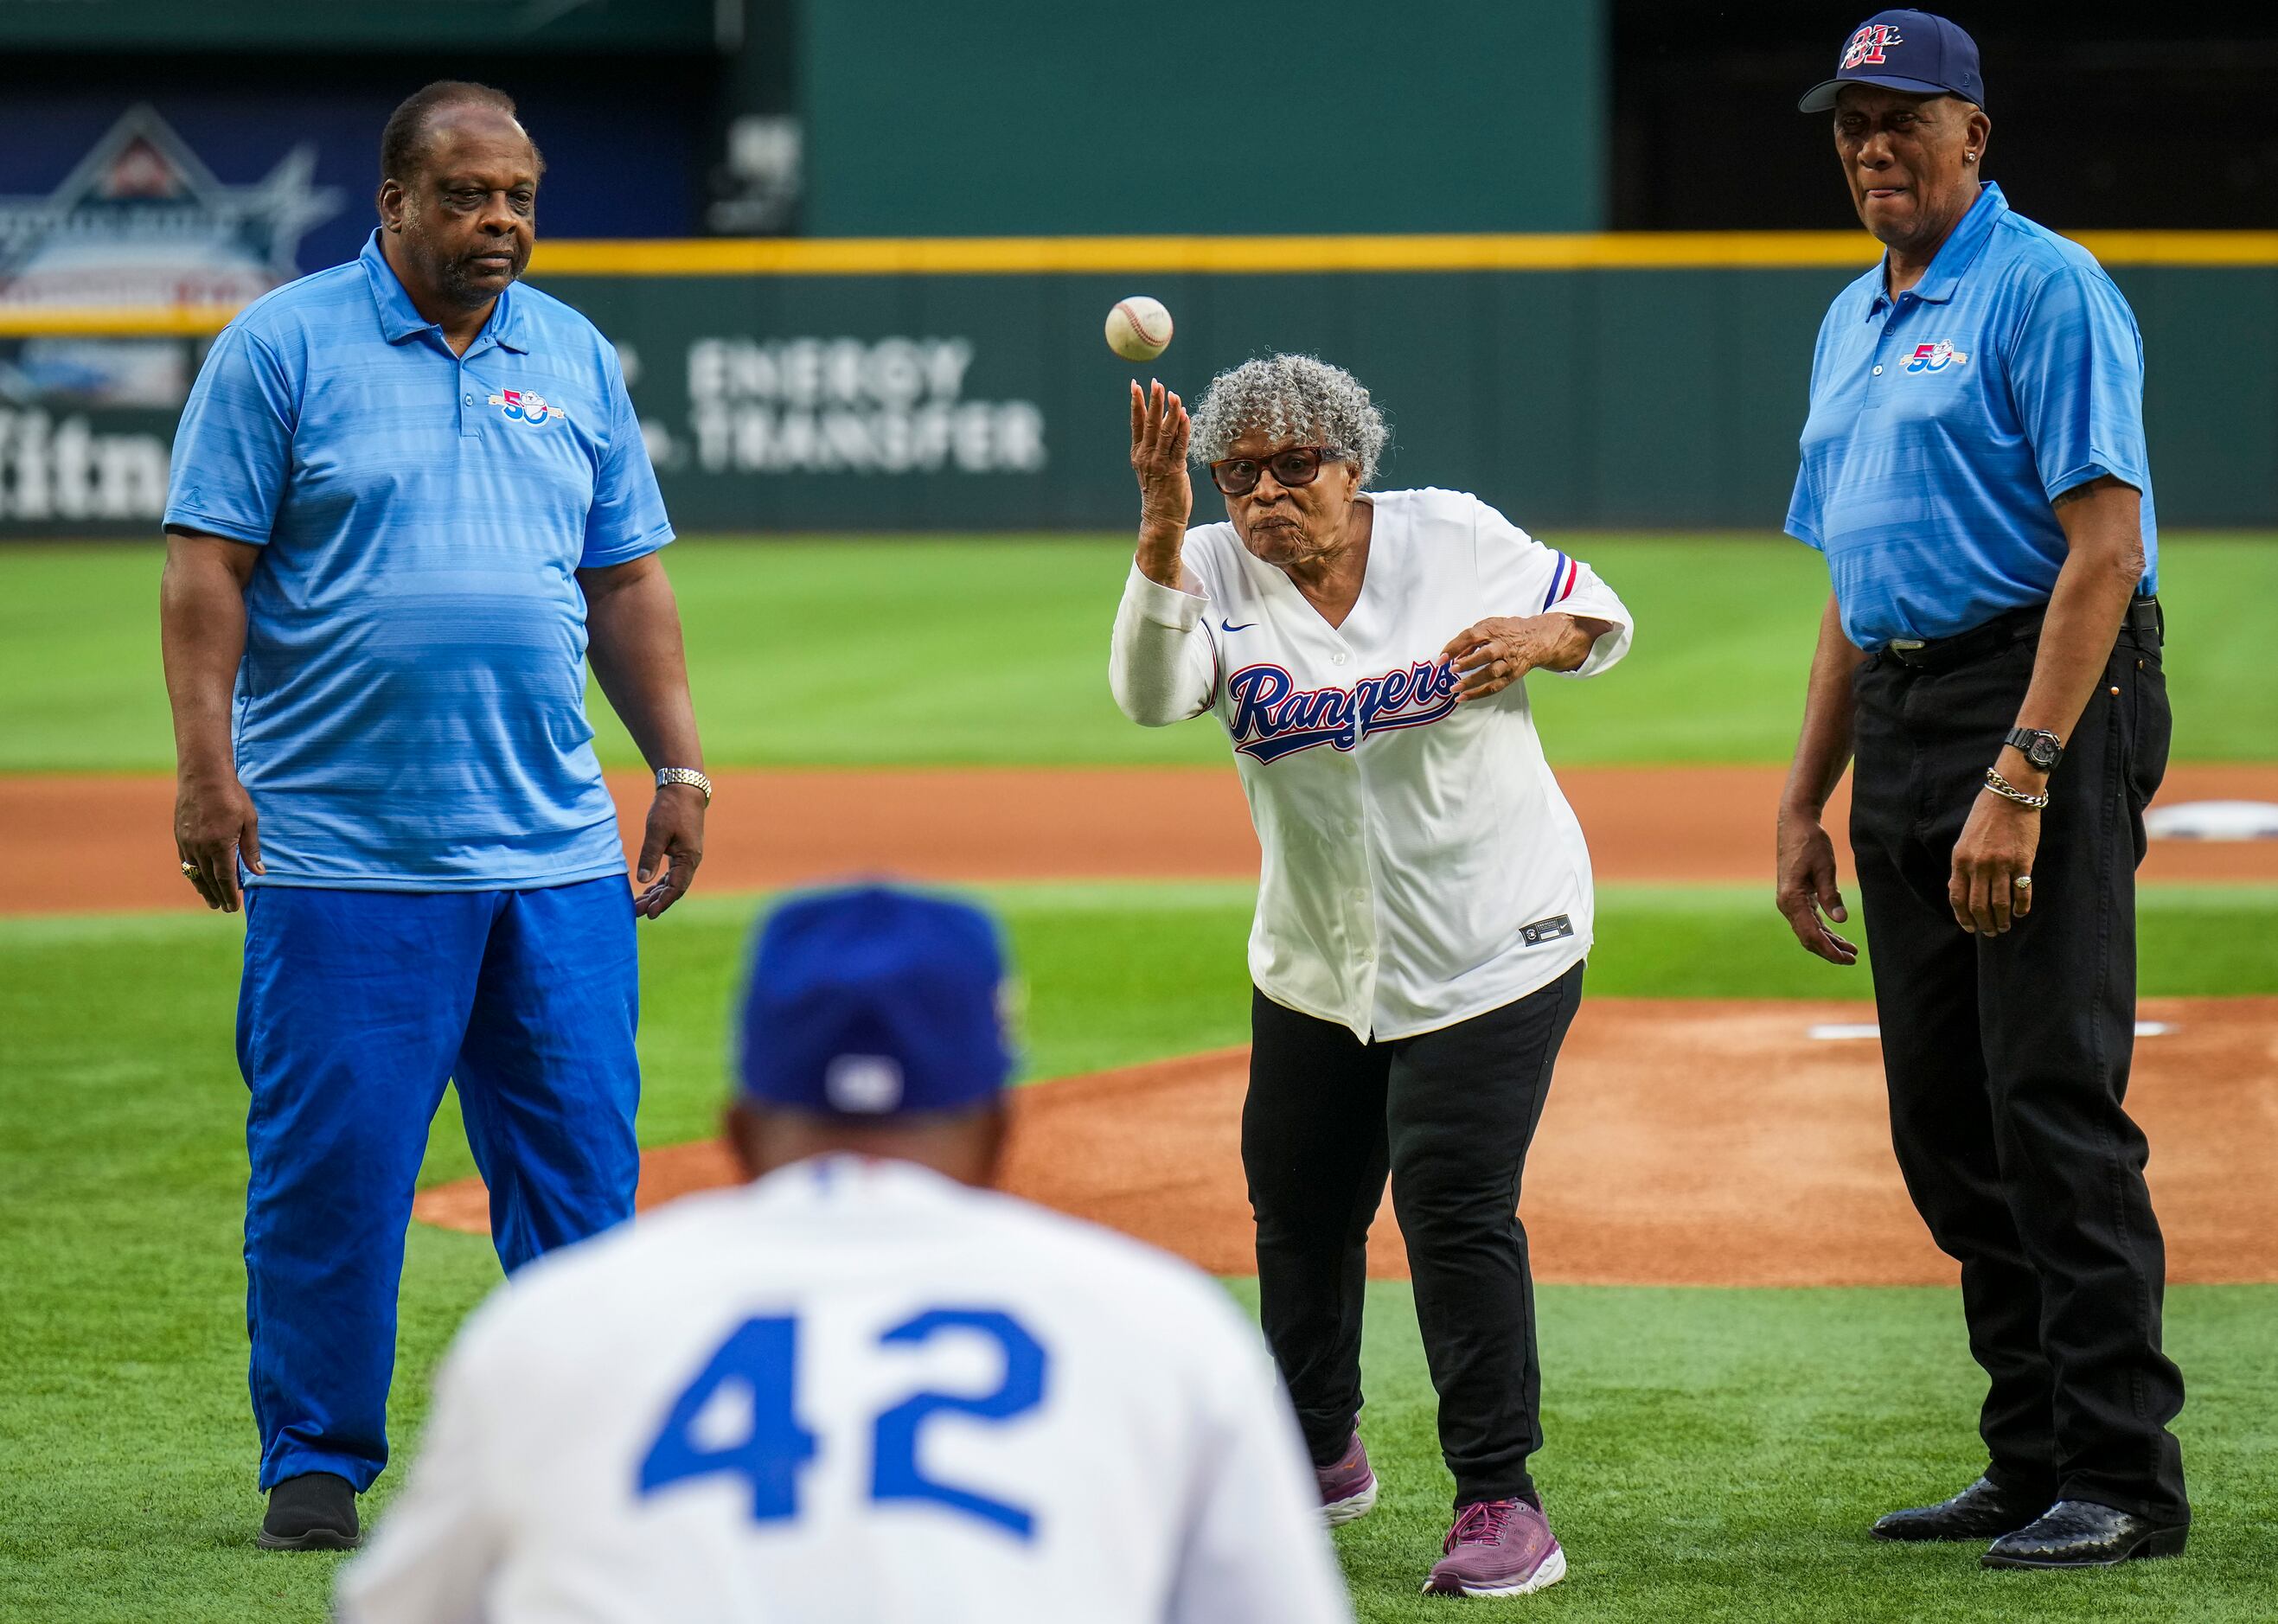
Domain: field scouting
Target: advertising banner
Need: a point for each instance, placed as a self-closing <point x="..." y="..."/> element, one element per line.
<point x="146" y="218"/>
<point x="778" y="404"/>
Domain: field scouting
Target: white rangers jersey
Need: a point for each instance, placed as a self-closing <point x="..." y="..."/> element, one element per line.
<point x="1421" y="865"/>
<point x="856" y="1391"/>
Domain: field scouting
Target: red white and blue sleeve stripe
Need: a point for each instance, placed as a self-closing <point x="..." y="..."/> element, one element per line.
<point x="1563" y="580"/>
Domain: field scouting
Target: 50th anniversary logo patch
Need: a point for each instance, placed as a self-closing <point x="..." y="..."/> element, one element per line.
<point x="1935" y="358"/>
<point x="521" y="405"/>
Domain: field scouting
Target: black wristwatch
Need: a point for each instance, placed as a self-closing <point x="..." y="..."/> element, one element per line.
<point x="2040" y="747"/>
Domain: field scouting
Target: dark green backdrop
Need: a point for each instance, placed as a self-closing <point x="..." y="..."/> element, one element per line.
<point x="1635" y="398"/>
<point x="1042" y="116"/>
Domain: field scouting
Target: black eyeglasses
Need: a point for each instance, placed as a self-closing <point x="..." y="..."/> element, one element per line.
<point x="1300" y="465"/>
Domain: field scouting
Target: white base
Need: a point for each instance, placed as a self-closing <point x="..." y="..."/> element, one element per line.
<point x="1553" y="1569"/>
<point x="1351" y="1508"/>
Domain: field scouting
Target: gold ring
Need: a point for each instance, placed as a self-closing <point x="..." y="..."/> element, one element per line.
<point x="190" y="869"/>
<point x="2022" y="883"/>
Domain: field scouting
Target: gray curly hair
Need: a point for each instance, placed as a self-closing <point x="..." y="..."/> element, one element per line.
<point x="1290" y="397"/>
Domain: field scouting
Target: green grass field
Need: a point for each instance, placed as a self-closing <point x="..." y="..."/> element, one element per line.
<point x="856" y="653"/>
<point x="1712" y="1454"/>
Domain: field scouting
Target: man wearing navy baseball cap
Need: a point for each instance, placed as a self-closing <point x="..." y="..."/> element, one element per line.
<point x="860" y="1388"/>
<point x="1974" y="471"/>
<point x="875" y="1024"/>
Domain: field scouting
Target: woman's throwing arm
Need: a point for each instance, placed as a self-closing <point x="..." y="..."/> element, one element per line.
<point x="1160" y="665"/>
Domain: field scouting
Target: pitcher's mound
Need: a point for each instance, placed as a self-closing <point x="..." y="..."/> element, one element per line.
<point x="1685" y="1143"/>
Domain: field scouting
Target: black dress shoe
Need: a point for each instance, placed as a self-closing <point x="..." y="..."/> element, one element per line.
<point x="1979" y="1512"/>
<point x="314" y="1511"/>
<point x="2083" y="1534"/>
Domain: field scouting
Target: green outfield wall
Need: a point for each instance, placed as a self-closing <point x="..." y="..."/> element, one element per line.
<point x="1649" y="382"/>
<point x="1661" y="398"/>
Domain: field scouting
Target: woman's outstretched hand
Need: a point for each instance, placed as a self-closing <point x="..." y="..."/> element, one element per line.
<point x="1166" y="496"/>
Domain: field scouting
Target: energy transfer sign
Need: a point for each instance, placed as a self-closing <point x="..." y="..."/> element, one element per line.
<point x="851" y="407"/>
<point x="141" y="221"/>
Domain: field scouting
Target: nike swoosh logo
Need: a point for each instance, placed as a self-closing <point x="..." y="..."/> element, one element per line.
<point x="1245" y="626"/>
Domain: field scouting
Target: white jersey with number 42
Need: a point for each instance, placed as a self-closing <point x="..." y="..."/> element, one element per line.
<point x="856" y="1391"/>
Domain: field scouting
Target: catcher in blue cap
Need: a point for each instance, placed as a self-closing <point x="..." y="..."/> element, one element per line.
<point x="1989" y="667"/>
<point x="861" y="1387"/>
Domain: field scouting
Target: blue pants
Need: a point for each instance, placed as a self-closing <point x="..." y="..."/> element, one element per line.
<point x="357" y="1008"/>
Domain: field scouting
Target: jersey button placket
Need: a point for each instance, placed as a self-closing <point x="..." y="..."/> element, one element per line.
<point x="470" y="410"/>
<point x="1370" y="958"/>
<point x="1881" y="352"/>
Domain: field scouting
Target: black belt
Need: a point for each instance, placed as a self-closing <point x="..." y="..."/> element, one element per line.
<point x="2144" y="621"/>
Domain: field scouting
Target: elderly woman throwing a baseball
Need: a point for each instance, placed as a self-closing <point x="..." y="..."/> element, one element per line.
<point x="1424" y="904"/>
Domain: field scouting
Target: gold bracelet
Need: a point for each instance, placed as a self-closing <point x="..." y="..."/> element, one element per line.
<point x="2009" y="791"/>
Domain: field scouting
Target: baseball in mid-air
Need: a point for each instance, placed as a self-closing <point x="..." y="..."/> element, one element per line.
<point x="1139" y="328"/>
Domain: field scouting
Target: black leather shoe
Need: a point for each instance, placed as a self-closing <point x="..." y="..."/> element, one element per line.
<point x="314" y="1511"/>
<point x="1979" y="1512"/>
<point x="2083" y="1534"/>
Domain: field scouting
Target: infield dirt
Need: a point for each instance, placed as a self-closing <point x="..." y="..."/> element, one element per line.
<point x="76" y="845"/>
<point x="1686" y="1142"/>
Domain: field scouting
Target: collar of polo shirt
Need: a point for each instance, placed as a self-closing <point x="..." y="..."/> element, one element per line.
<point x="1954" y="256"/>
<point x="399" y="318"/>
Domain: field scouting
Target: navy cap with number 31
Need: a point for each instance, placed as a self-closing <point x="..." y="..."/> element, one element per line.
<point x="1911" y="51"/>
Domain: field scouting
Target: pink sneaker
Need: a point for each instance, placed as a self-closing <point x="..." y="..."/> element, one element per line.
<point x="1497" y="1548"/>
<point x="1347" y="1485"/>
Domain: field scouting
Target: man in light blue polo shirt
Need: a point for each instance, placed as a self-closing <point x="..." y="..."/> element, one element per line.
<point x="1974" y="469"/>
<point x="409" y="499"/>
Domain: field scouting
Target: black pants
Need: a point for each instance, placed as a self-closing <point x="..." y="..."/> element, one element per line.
<point x="2007" y="1060"/>
<point x="1449" y="1114"/>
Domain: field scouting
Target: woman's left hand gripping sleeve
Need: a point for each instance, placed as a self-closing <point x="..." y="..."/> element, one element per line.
<point x="1593" y="600"/>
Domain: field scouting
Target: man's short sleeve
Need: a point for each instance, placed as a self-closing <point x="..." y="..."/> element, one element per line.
<point x="233" y="448"/>
<point x="1803" y="510"/>
<point x="627" y="520"/>
<point x="2077" y="374"/>
<point x="1804" y="514"/>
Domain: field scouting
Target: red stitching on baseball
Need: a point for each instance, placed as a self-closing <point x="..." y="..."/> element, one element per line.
<point x="1140" y="327"/>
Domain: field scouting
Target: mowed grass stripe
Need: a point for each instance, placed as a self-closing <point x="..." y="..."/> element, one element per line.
<point x="860" y="651"/>
<point x="1717" y="1455"/>
<point x="1712" y="1454"/>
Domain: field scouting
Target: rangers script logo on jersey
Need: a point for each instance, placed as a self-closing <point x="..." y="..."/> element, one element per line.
<point x="1867" y="46"/>
<point x="1270" y="720"/>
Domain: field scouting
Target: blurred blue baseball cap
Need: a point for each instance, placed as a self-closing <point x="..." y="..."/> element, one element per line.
<point x="1911" y="51"/>
<point x="874" y="1002"/>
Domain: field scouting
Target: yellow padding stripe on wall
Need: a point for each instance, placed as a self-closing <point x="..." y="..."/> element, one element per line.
<point x="1050" y="255"/>
<point x="125" y="321"/>
<point x="1201" y="255"/>
<point x="805" y="257"/>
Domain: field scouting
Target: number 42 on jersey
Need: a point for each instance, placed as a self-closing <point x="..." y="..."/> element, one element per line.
<point x="762" y="1357"/>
